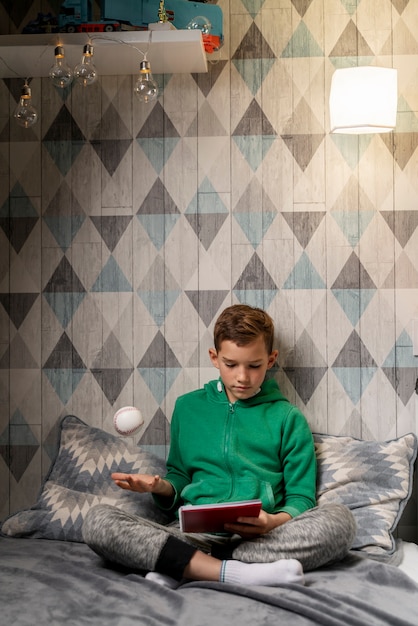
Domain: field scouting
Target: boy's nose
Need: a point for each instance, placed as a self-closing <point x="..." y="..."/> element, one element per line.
<point x="243" y="374"/>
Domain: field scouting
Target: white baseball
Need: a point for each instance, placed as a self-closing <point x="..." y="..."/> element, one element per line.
<point x="127" y="420"/>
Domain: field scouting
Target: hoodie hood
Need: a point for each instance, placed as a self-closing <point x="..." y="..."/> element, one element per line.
<point x="269" y="392"/>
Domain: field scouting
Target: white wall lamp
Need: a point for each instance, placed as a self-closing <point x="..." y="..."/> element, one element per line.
<point x="363" y="100"/>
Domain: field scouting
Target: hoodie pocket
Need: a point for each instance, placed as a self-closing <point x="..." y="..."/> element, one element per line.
<point x="252" y="489"/>
<point x="205" y="492"/>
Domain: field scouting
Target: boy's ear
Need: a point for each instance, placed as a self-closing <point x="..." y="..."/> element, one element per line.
<point x="272" y="359"/>
<point x="213" y="355"/>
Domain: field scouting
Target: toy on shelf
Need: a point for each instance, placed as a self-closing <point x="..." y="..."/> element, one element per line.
<point x="76" y="16"/>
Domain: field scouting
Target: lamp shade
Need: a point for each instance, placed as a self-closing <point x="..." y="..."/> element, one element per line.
<point x="363" y="100"/>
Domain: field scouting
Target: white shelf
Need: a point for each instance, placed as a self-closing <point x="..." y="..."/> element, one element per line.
<point x="168" y="51"/>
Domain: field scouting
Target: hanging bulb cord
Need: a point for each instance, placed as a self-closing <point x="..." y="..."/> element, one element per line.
<point x="47" y="47"/>
<point x="125" y="43"/>
<point x="91" y="38"/>
<point x="10" y="68"/>
<point x="25" y="80"/>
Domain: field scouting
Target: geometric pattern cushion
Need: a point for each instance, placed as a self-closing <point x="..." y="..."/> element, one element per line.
<point x="79" y="478"/>
<point x="373" y="479"/>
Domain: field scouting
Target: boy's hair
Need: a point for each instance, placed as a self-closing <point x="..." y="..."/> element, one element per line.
<point x="242" y="324"/>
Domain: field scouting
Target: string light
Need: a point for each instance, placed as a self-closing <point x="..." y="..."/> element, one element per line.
<point x="85" y="73"/>
<point x="200" y="23"/>
<point x="146" y="89"/>
<point x="25" y="113"/>
<point x="60" y="73"/>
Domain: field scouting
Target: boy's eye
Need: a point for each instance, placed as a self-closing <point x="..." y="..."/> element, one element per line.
<point x="253" y="367"/>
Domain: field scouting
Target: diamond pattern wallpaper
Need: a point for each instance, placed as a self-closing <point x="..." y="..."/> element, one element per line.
<point x="126" y="228"/>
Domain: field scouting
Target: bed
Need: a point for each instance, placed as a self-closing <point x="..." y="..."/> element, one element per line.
<point x="49" y="576"/>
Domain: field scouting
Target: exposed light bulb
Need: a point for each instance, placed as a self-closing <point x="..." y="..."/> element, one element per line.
<point x="146" y="89"/>
<point x="25" y="114"/>
<point x="85" y="73"/>
<point x="60" y="73"/>
<point x="200" y="22"/>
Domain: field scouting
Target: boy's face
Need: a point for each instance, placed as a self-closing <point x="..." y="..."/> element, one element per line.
<point x="242" y="368"/>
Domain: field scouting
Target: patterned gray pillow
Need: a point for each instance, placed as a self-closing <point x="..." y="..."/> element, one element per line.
<point x="79" y="478"/>
<point x="373" y="479"/>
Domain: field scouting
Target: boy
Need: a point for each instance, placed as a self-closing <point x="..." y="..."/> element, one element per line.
<point x="237" y="438"/>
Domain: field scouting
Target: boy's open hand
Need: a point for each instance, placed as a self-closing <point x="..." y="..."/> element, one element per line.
<point x="250" y="527"/>
<point x="143" y="483"/>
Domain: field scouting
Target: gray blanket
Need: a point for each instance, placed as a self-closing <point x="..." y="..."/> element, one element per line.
<point x="54" y="582"/>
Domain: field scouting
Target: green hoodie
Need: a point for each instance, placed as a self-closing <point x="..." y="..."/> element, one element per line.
<point x="256" y="448"/>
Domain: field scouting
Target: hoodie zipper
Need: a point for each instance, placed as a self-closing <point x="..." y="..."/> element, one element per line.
<point x="230" y="418"/>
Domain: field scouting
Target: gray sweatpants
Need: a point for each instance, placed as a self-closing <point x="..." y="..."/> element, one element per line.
<point x="319" y="536"/>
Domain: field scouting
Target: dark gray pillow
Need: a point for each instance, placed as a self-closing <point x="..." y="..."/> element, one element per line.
<point x="79" y="478"/>
<point x="373" y="479"/>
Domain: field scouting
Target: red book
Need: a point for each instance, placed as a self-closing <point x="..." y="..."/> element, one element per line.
<point x="210" y="518"/>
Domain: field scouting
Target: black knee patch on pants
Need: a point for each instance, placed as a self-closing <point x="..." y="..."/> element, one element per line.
<point x="174" y="558"/>
<point x="223" y="552"/>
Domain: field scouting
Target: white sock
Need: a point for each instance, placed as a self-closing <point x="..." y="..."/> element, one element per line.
<point x="162" y="579"/>
<point x="269" y="574"/>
